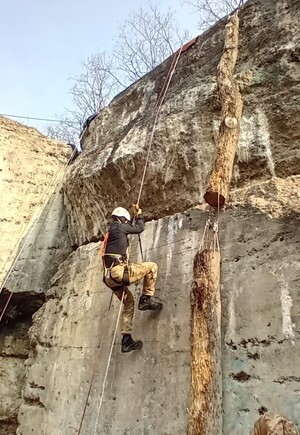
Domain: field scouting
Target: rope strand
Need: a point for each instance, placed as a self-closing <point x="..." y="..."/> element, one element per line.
<point x="29" y="235"/>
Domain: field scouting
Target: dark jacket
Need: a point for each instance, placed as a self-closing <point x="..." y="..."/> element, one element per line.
<point x="117" y="242"/>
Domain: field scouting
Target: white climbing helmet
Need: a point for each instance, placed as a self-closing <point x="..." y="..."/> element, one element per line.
<point x="121" y="212"/>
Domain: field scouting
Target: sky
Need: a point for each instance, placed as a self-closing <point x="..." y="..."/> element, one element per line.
<point x="44" y="42"/>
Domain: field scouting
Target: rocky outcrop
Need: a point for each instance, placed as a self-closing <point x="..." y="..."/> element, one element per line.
<point x="29" y="169"/>
<point x="73" y="331"/>
<point x="109" y="171"/>
<point x="149" y="390"/>
<point x="71" y="334"/>
<point x="33" y="227"/>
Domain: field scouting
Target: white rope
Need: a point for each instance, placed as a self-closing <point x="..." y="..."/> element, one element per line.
<point x="161" y="99"/>
<point x="54" y="184"/>
<point x="160" y="102"/>
<point x="44" y="195"/>
<point x="108" y="364"/>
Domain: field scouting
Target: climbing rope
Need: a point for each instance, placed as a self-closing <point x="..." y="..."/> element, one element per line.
<point x="90" y="386"/>
<point x="54" y="184"/>
<point x="107" y="367"/>
<point x="44" y="202"/>
<point x="155" y="118"/>
<point x="158" y="106"/>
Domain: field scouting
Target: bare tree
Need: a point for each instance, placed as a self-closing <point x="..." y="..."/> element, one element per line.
<point x="67" y="130"/>
<point x="91" y="92"/>
<point x="95" y="86"/>
<point x="213" y="10"/>
<point x="145" y="39"/>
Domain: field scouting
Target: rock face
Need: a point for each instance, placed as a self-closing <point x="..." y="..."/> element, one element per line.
<point x="147" y="392"/>
<point x="109" y="172"/>
<point x="74" y="328"/>
<point x="29" y="166"/>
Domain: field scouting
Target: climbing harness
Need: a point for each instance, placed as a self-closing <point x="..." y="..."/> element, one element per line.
<point x="158" y="106"/>
<point x="108" y="280"/>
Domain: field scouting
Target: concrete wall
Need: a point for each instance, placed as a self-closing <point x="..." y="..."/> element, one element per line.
<point x="42" y="249"/>
<point x="147" y="392"/>
<point x="261" y="318"/>
<point x="47" y="246"/>
<point x="29" y="166"/>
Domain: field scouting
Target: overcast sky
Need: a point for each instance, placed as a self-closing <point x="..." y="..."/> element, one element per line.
<point x="43" y="43"/>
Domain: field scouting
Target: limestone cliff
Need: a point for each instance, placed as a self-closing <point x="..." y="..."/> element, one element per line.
<point x="33" y="239"/>
<point x="29" y="166"/>
<point x="147" y="392"/>
<point x="109" y="173"/>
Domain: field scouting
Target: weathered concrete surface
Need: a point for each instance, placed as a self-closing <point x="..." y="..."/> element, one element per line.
<point x="183" y="146"/>
<point x="261" y="318"/>
<point x="147" y="391"/>
<point x="29" y="169"/>
<point x="14" y="349"/>
<point x="46" y="246"/>
<point x="29" y="163"/>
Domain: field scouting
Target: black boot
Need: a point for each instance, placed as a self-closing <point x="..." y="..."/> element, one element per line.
<point x="148" y="303"/>
<point x="128" y="344"/>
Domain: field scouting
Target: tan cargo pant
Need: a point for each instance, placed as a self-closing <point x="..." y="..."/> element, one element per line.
<point x="137" y="271"/>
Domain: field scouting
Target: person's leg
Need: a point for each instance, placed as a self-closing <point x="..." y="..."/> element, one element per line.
<point x="128" y="343"/>
<point x="128" y="309"/>
<point x="148" y="271"/>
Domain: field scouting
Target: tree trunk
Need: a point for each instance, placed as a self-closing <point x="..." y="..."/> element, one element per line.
<point x="205" y="413"/>
<point x="232" y="106"/>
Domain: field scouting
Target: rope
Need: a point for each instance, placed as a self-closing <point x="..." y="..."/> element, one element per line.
<point x="158" y="108"/>
<point x="108" y="364"/>
<point x="90" y="387"/>
<point x="38" y="119"/>
<point x="42" y="201"/>
<point x="28" y="236"/>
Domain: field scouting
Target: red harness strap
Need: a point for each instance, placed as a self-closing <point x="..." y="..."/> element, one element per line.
<point x="103" y="245"/>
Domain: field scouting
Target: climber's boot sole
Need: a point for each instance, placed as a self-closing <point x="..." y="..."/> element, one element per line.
<point x="153" y="306"/>
<point x="136" y="345"/>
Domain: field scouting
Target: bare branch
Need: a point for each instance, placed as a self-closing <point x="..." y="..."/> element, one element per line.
<point x="145" y="40"/>
<point x="211" y="11"/>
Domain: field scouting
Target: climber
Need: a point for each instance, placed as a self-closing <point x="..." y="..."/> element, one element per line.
<point x="118" y="273"/>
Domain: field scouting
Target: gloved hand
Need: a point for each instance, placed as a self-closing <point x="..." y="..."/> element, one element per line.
<point x="136" y="209"/>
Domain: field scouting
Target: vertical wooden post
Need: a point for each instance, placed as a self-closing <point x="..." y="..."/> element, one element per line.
<point x="205" y="412"/>
<point x="232" y="106"/>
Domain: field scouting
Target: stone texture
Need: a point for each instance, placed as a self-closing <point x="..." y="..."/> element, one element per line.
<point x="147" y="392"/>
<point x="260" y="311"/>
<point x="29" y="163"/>
<point x="14" y="349"/>
<point x="42" y="250"/>
<point x="109" y="171"/>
